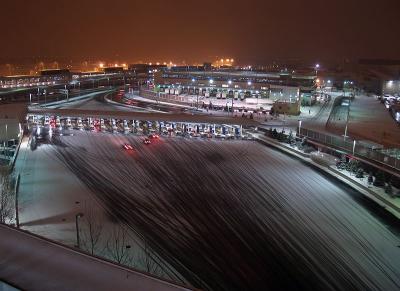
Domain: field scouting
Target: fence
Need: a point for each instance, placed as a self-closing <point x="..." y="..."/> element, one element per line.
<point x="352" y="146"/>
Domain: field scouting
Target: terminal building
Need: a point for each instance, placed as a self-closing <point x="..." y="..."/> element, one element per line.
<point x="45" y="78"/>
<point x="283" y="86"/>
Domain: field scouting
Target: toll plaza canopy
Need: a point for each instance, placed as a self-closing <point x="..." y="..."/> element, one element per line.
<point x="172" y="117"/>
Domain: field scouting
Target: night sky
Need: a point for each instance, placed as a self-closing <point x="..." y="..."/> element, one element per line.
<point x="195" y="31"/>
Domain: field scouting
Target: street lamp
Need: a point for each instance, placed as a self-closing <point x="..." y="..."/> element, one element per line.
<point x="79" y="215"/>
<point x="316" y="69"/>
<point x="347" y="120"/>
<point x="299" y="127"/>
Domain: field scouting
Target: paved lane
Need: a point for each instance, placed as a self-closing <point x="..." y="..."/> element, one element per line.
<point x="236" y="215"/>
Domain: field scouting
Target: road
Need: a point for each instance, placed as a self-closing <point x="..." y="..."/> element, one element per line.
<point x="235" y="215"/>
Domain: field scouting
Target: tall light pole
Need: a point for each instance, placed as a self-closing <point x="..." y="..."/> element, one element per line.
<point x="6" y="150"/>
<point x="347" y="120"/>
<point x="316" y="69"/>
<point x="78" y="243"/>
<point x="299" y="127"/>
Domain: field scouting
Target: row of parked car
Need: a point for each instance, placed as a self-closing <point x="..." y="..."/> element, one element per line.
<point x="392" y="103"/>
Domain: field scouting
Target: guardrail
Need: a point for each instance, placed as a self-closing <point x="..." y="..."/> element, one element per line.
<point x="351" y="146"/>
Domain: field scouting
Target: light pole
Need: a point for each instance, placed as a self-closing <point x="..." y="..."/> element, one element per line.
<point x="316" y="69"/>
<point x="347" y="120"/>
<point x="79" y="215"/>
<point x="299" y="127"/>
<point x="354" y="146"/>
<point x="6" y="144"/>
<point x="66" y="92"/>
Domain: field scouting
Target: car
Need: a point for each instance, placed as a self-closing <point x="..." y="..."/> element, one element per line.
<point x="146" y="141"/>
<point x="128" y="147"/>
<point x="154" y="136"/>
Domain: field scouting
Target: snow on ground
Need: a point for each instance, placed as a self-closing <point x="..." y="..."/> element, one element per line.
<point x="237" y="215"/>
<point x="50" y="197"/>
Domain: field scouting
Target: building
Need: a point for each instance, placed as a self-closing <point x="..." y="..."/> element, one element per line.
<point x="113" y="70"/>
<point x="233" y="83"/>
<point x="145" y="72"/>
<point x="45" y="78"/>
<point x="378" y="75"/>
<point x="391" y="87"/>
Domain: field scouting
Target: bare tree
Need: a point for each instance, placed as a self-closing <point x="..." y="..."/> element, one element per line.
<point x="118" y="246"/>
<point x="147" y="260"/>
<point x="6" y="198"/>
<point x="92" y="228"/>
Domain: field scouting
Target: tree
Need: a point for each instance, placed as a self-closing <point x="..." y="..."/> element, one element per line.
<point x="389" y="189"/>
<point x="6" y="198"/>
<point x="379" y="179"/>
<point x="360" y="173"/>
<point x="370" y="178"/>
<point x="147" y="260"/>
<point x="118" y="246"/>
<point x="91" y="230"/>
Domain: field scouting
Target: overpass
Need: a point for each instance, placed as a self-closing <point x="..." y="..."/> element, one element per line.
<point x="30" y="262"/>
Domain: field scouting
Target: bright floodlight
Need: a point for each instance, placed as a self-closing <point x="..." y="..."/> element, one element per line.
<point x="229" y="82"/>
<point x="249" y="83"/>
<point x="329" y="81"/>
<point x="317" y="66"/>
<point x="211" y="81"/>
<point x="193" y="80"/>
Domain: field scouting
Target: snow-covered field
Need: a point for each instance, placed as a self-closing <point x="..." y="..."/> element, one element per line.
<point x="234" y="214"/>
